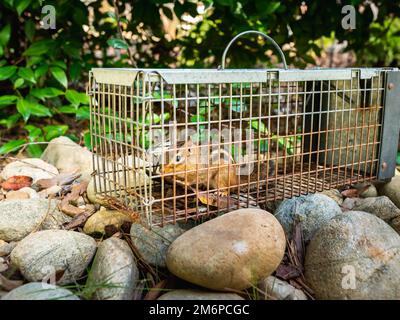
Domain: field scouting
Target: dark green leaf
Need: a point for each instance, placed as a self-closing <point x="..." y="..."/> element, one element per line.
<point x="43" y="93"/>
<point x="76" y="98"/>
<point x="18" y="83"/>
<point x="11" y="146"/>
<point x="75" y="71"/>
<point x="398" y="158"/>
<point x="40" y="71"/>
<point x="5" y="34"/>
<point x="7" y="100"/>
<point x="21" y="5"/>
<point x="40" y="110"/>
<point x="40" y="47"/>
<point x="87" y="140"/>
<point x="24" y="108"/>
<point x="60" y="75"/>
<point x="60" y="64"/>
<point x="54" y="131"/>
<point x="27" y="74"/>
<point x="83" y="113"/>
<point x="10" y="121"/>
<point x="7" y="72"/>
<point x="30" y="29"/>
<point x="117" y="43"/>
<point x="67" y="109"/>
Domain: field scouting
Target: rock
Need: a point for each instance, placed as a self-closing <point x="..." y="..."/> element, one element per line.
<point x="32" y="167"/>
<point x="313" y="211"/>
<point x="67" y="156"/>
<point x="370" y="192"/>
<point x="153" y="244"/>
<point x="233" y="251"/>
<point x="18" y="218"/>
<point x="31" y="192"/>
<point x="185" y="294"/>
<point x="114" y="272"/>
<point x="39" y="291"/>
<point x="333" y="194"/>
<point x="276" y="289"/>
<point x="97" y="222"/>
<point x="42" y="253"/>
<point x="17" y="195"/>
<point x="392" y="190"/>
<point x="6" y="248"/>
<point x="354" y="256"/>
<point x="382" y="207"/>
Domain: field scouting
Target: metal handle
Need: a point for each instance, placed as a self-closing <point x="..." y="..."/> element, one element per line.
<point x="260" y="34"/>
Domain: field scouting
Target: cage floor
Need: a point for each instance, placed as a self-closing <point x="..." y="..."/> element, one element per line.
<point x="281" y="187"/>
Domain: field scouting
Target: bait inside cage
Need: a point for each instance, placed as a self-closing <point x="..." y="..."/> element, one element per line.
<point x="174" y="144"/>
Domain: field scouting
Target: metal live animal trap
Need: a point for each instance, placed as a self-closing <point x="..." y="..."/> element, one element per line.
<point x="174" y="144"/>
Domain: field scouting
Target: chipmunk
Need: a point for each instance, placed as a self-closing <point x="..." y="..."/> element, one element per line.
<point x="219" y="173"/>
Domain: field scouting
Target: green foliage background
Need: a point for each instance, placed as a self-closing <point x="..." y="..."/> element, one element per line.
<point x="43" y="72"/>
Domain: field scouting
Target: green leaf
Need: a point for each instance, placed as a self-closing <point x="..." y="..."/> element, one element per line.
<point x="40" y="110"/>
<point x="5" y="35"/>
<point x="83" y="113"/>
<point x="60" y="75"/>
<point x="10" y="121"/>
<point x="18" y="83"/>
<point x="30" y="29"/>
<point x="76" y="98"/>
<point x="67" y="109"/>
<point x="398" y="158"/>
<point x="27" y="74"/>
<point x="54" y="131"/>
<point x="7" y="100"/>
<point x="237" y="105"/>
<point x="60" y="64"/>
<point x="87" y="141"/>
<point x="196" y="118"/>
<point x="1" y="51"/>
<point x="75" y="71"/>
<point x="7" y="72"/>
<point x="11" y="146"/>
<point x="43" y="93"/>
<point x="33" y="131"/>
<point x="21" y="5"/>
<point x="34" y="150"/>
<point x="24" y="108"/>
<point x="40" y="47"/>
<point x="259" y="126"/>
<point x="117" y="43"/>
<point x="40" y="71"/>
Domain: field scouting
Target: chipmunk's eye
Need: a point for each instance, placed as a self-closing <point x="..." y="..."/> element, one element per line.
<point x="178" y="158"/>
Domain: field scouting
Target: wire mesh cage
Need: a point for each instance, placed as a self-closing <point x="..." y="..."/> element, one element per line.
<point x="174" y="144"/>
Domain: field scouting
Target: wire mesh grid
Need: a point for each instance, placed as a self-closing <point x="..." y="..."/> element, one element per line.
<point x="174" y="151"/>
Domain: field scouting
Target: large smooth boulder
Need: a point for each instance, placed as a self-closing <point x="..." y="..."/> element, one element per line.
<point x="68" y="156"/>
<point x="392" y="190"/>
<point x="312" y="211"/>
<point x="45" y="253"/>
<point x="233" y="251"/>
<point x="97" y="222"/>
<point x="18" y="218"/>
<point x="354" y="256"/>
<point x="186" y="294"/>
<point x="114" y="273"/>
<point x="32" y="167"/>
<point x="39" y="291"/>
<point x="153" y="243"/>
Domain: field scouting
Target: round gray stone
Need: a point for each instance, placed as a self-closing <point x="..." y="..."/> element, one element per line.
<point x="153" y="243"/>
<point x="43" y="253"/>
<point x="354" y="256"/>
<point x="392" y="190"/>
<point x="39" y="291"/>
<point x="312" y="210"/>
<point x="114" y="273"/>
<point x="18" y="218"/>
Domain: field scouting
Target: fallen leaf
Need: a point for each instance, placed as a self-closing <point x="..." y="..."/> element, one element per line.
<point x="354" y="192"/>
<point x="9" y="285"/>
<point x="155" y="292"/>
<point x="76" y="191"/>
<point x="16" y="183"/>
<point x="287" y="272"/>
<point x="61" y="179"/>
<point x="80" y="219"/>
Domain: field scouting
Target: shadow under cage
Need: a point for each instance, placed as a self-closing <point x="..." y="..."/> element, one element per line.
<point x="174" y="144"/>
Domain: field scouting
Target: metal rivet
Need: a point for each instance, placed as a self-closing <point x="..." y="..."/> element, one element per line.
<point x="384" y="166"/>
<point x="391" y="86"/>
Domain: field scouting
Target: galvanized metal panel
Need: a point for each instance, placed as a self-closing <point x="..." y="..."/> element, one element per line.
<point x="391" y="127"/>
